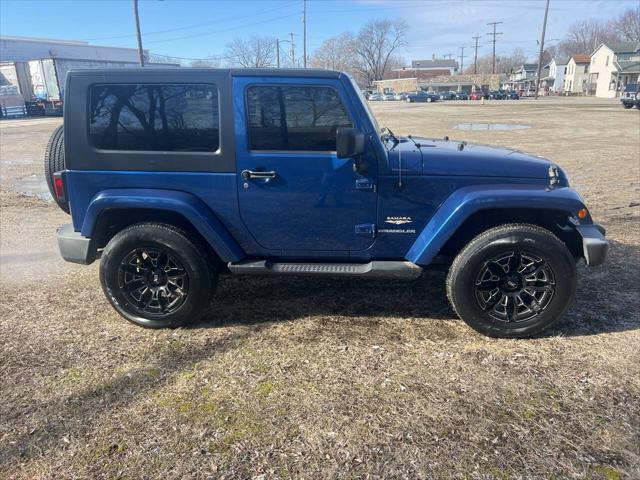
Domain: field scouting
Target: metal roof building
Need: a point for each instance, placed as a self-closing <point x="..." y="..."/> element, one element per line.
<point x="23" y="49"/>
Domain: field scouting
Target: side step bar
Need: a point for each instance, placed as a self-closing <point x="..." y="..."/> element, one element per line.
<point x="391" y="269"/>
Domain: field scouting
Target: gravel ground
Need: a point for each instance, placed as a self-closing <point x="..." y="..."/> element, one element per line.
<point x="329" y="378"/>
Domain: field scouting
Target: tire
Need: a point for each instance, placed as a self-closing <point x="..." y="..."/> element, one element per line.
<point x="627" y="106"/>
<point x="483" y="275"/>
<point x="54" y="162"/>
<point x="429" y="100"/>
<point x="185" y="267"/>
<point x="408" y="100"/>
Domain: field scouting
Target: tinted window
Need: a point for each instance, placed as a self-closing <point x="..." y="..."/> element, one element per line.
<point x="294" y="118"/>
<point x="182" y="118"/>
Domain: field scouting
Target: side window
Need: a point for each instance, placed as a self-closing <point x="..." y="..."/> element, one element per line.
<point x="154" y="117"/>
<point x="294" y="118"/>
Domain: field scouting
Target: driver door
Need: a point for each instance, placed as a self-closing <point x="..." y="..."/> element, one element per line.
<point x="294" y="194"/>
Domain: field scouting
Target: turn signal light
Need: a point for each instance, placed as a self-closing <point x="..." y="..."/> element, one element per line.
<point x="582" y="213"/>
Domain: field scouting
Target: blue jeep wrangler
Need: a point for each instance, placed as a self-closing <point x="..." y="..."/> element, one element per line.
<point x="175" y="176"/>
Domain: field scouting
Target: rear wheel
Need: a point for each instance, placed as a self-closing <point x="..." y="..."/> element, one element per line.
<point x="429" y="100"/>
<point x="512" y="281"/>
<point x="155" y="276"/>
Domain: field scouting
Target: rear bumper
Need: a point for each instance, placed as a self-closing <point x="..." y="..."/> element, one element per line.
<point x="594" y="244"/>
<point x="74" y="247"/>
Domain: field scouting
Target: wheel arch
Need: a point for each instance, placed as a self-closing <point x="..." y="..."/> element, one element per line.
<point x="110" y="211"/>
<point x="556" y="221"/>
<point x="474" y="209"/>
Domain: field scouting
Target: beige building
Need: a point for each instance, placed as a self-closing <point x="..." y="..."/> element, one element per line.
<point x="575" y="79"/>
<point x="612" y="67"/>
<point x="444" y="83"/>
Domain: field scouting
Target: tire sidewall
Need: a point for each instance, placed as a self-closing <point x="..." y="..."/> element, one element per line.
<point x="201" y="279"/>
<point x="463" y="281"/>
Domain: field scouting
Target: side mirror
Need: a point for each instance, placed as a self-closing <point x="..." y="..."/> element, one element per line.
<point x="349" y="142"/>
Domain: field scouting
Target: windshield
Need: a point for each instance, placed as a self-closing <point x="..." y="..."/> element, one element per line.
<point x="364" y="102"/>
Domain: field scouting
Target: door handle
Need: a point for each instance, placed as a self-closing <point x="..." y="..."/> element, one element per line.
<point x="247" y="174"/>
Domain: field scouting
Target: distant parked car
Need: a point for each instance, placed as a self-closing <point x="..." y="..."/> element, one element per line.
<point x="375" y="97"/>
<point x="420" y="96"/>
<point x="400" y="96"/>
<point x="631" y="96"/>
<point x="389" y="96"/>
<point x="479" y="95"/>
<point x="450" y="95"/>
<point x="462" y="96"/>
<point x="511" y="95"/>
<point x="497" y="95"/>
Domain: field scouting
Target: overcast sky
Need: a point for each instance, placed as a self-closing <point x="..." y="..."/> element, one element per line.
<point x="199" y="28"/>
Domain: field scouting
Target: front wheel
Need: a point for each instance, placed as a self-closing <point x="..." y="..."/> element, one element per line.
<point x="512" y="281"/>
<point x="429" y="100"/>
<point x="156" y="276"/>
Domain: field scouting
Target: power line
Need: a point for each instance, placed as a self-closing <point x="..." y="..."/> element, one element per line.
<point x="195" y="25"/>
<point x="213" y="32"/>
<point x="493" y="68"/>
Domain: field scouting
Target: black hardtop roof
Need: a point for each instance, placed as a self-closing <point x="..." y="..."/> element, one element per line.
<point x="234" y="72"/>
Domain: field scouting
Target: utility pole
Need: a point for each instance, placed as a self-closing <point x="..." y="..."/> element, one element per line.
<point x="544" y="30"/>
<point x="293" y="51"/>
<point x="278" y="52"/>
<point x="137" y="18"/>
<point x="493" y="68"/>
<point x="475" y="56"/>
<point x="462" y="59"/>
<point x="304" y="29"/>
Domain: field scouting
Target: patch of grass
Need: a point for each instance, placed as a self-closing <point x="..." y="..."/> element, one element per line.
<point x="604" y="472"/>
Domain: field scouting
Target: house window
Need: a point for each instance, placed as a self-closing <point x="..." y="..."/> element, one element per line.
<point x="606" y="62"/>
<point x="154" y="117"/>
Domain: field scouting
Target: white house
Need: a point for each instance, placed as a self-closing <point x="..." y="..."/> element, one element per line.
<point x="577" y="74"/>
<point x="554" y="81"/>
<point x="613" y="66"/>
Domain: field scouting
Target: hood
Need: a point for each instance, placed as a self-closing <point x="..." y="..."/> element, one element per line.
<point x="444" y="157"/>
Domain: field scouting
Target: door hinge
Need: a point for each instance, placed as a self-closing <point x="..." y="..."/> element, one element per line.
<point x="365" y="184"/>
<point x="366" y="230"/>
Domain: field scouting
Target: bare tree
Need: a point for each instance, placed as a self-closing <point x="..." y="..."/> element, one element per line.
<point x="628" y="25"/>
<point x="504" y="63"/>
<point x="256" y="52"/>
<point x="585" y="36"/>
<point x="374" y="45"/>
<point x="336" y="53"/>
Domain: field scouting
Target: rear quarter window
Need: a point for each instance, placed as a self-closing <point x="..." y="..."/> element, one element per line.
<point x="154" y="117"/>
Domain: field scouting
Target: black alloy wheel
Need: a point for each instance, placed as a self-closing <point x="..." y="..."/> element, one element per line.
<point x="512" y="281"/>
<point x="515" y="286"/>
<point x="157" y="275"/>
<point x="154" y="281"/>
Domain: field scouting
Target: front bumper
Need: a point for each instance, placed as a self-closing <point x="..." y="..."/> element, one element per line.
<point x="594" y="243"/>
<point x="74" y="247"/>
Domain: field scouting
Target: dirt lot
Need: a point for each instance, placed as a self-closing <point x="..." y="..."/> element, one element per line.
<point x="327" y="379"/>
